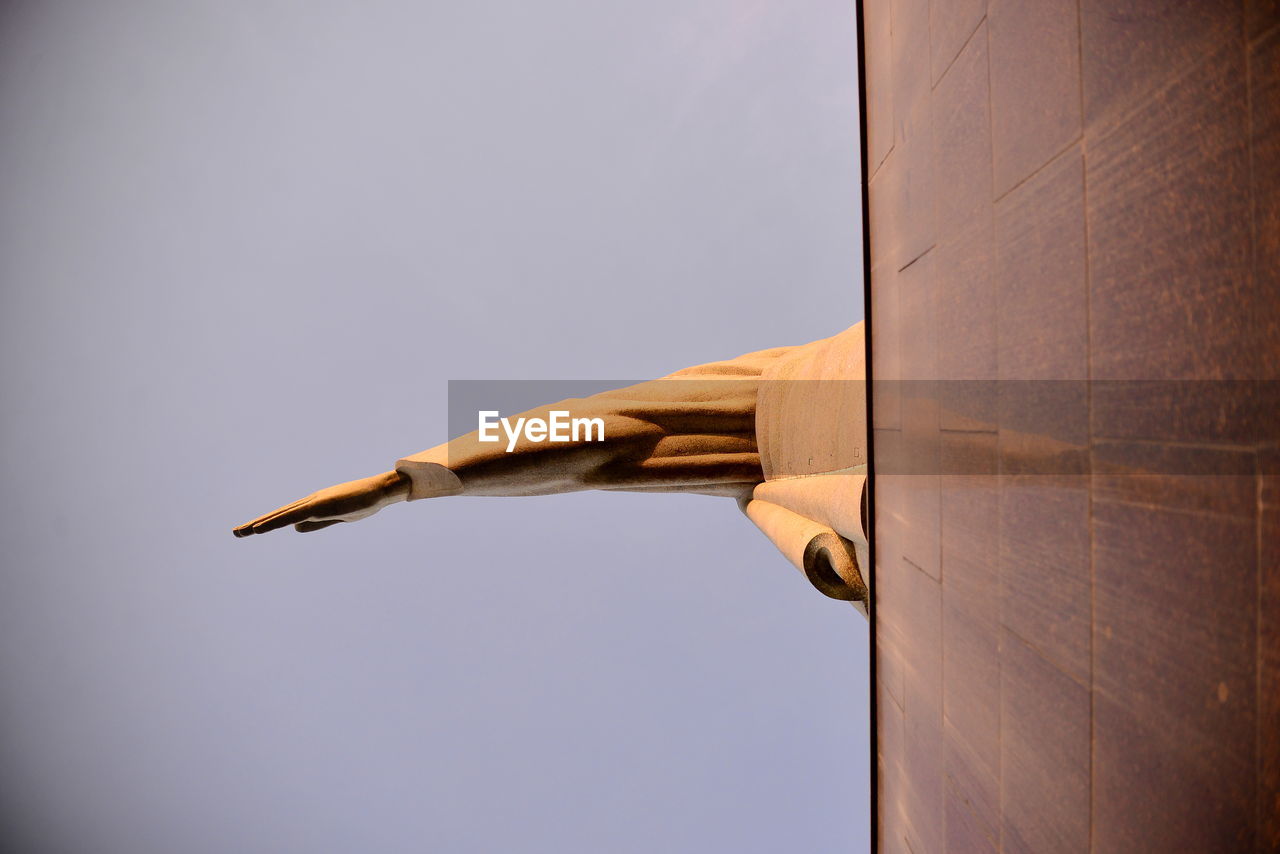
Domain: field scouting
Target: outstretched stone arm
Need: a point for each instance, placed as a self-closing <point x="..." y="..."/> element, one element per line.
<point x="782" y="431"/>
<point x="691" y="431"/>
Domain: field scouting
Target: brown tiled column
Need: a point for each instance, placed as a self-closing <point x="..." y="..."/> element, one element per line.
<point x="1077" y="583"/>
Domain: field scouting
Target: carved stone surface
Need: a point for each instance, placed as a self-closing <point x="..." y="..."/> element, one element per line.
<point x="783" y="431"/>
<point x="1090" y="650"/>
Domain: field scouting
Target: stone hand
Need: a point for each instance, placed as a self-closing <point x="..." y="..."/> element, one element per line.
<point x="346" y="502"/>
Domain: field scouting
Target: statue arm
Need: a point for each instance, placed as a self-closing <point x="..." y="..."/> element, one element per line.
<point x="691" y="431"/>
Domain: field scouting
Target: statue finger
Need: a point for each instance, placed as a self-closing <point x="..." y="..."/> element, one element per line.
<point x="286" y="515"/>
<point x="307" y="527"/>
<point x="298" y="514"/>
<point x="247" y="529"/>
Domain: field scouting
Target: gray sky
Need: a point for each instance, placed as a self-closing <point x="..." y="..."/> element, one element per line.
<point x="243" y="247"/>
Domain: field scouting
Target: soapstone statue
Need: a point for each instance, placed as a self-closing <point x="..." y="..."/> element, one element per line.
<point x="783" y="431"/>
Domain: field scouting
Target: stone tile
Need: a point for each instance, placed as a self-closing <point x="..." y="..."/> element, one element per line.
<point x="1044" y="427"/>
<point x="970" y="519"/>
<point x="1260" y="16"/>
<point x="1035" y="85"/>
<point x="1269" y="651"/>
<point x="911" y="81"/>
<point x="1040" y="262"/>
<point x="970" y="637"/>
<point x="918" y="319"/>
<point x="889" y="738"/>
<point x="889" y="662"/>
<point x="966" y="316"/>
<point x="879" y="84"/>
<point x="921" y="546"/>
<point x="1199" y="411"/>
<point x="882" y="195"/>
<point x="893" y="606"/>
<point x="918" y="313"/>
<point x="911" y="214"/>
<point x="962" y="259"/>
<point x="923" y="745"/>
<point x="893" y="833"/>
<point x="891" y="454"/>
<point x="1044" y="566"/>
<point x="1175" y="645"/>
<point x="962" y="142"/>
<point x="965" y="831"/>
<point x="913" y="185"/>
<point x="926" y="800"/>
<point x="892" y="781"/>
<point x="1199" y="480"/>
<point x="1134" y="49"/>
<point x="1152" y="793"/>
<point x="1264" y="84"/>
<point x="1044" y="756"/>
<point x="1170" y="297"/>
<point x="1042" y="322"/>
<point x="886" y="359"/>
<point x="970" y="459"/>
<point x="951" y="27"/>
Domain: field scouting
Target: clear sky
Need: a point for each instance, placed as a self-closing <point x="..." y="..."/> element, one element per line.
<point x="243" y="247"/>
